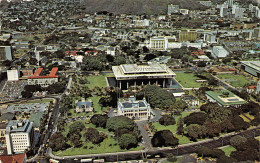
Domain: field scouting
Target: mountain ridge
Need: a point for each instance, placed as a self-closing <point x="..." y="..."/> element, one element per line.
<point x="138" y="6"/>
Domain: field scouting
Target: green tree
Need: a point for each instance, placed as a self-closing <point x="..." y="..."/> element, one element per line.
<point x="58" y="142"/>
<point x="180" y="128"/>
<point x="164" y="138"/>
<point x="235" y="141"/>
<point x="127" y="141"/>
<point x="195" y="131"/>
<point x="93" y="135"/>
<point x="76" y="127"/>
<point x="120" y="122"/>
<point x="167" y="120"/>
<point x="75" y="140"/>
<point x="99" y="120"/>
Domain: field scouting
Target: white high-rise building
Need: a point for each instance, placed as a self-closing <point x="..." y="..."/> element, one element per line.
<point x="220" y="52"/>
<point x="258" y="87"/>
<point x="19" y="136"/>
<point x="239" y="12"/>
<point x="230" y="3"/>
<point x="173" y="9"/>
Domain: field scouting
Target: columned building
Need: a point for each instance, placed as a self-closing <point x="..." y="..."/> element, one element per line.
<point x="132" y="75"/>
<point x="132" y="108"/>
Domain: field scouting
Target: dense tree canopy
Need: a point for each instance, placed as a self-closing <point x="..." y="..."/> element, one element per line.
<point x="99" y="120"/>
<point x="120" y="122"/>
<point x="157" y="97"/>
<point x="195" y="118"/>
<point x="58" y="142"/>
<point x="93" y="136"/>
<point x="164" y="138"/>
<point x="127" y="141"/>
<point x="167" y="120"/>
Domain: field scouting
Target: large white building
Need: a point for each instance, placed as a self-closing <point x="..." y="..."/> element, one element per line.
<point x="43" y="81"/>
<point x="19" y="136"/>
<point x="139" y="109"/>
<point x="13" y="74"/>
<point x="220" y="52"/>
<point x="173" y="9"/>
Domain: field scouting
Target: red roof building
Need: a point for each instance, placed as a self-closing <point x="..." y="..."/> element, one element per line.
<point x="37" y="73"/>
<point x="17" y="158"/>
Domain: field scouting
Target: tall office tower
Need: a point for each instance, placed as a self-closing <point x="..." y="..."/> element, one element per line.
<point x="19" y="136"/>
<point x="230" y="3"/>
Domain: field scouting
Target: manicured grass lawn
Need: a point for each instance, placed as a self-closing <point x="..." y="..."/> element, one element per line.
<point x="237" y="80"/>
<point x="173" y="128"/>
<point x="109" y="145"/>
<point x="228" y="150"/>
<point x="36" y="118"/>
<point x="244" y="118"/>
<point x="97" y="107"/>
<point x="96" y="80"/>
<point x="249" y="116"/>
<point x="187" y="80"/>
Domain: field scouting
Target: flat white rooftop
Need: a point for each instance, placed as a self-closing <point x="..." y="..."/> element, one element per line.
<point x="153" y="70"/>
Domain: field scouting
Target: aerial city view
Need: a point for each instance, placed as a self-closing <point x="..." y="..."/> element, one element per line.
<point x="129" y="81"/>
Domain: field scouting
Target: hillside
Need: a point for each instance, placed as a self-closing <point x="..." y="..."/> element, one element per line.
<point x="137" y="6"/>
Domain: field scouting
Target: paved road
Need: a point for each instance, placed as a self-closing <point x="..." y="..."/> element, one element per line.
<point x="146" y="139"/>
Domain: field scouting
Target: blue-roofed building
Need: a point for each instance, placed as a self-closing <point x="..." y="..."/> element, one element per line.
<point x="83" y="106"/>
<point x="132" y="108"/>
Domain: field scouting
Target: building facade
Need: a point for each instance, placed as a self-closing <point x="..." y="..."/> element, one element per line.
<point x="19" y="136"/>
<point x="220" y="52"/>
<point x="127" y="75"/>
<point x="43" y="81"/>
<point x="251" y="67"/>
<point x="5" y="53"/>
<point x="225" y="98"/>
<point x="132" y="108"/>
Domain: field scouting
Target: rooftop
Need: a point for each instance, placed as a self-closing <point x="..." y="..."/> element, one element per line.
<point x="253" y="64"/>
<point x="17" y="158"/>
<point x="151" y="70"/>
<point x="18" y="126"/>
<point x="132" y="103"/>
<point x="225" y="97"/>
<point x="39" y="70"/>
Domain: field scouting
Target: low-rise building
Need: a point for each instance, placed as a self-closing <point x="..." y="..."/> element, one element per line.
<point x="17" y="158"/>
<point x="225" y="98"/>
<point x="83" y="106"/>
<point x="19" y="136"/>
<point x="44" y="81"/>
<point x="190" y="100"/>
<point x="2" y="133"/>
<point x="251" y="67"/>
<point x="132" y="108"/>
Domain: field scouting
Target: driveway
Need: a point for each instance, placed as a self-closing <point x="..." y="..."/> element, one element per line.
<point x="146" y="139"/>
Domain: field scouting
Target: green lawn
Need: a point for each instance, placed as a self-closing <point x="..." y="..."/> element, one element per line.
<point x="228" y="150"/>
<point x="173" y="128"/>
<point x="109" y="145"/>
<point x="97" y="80"/>
<point x="187" y="80"/>
<point x="238" y="80"/>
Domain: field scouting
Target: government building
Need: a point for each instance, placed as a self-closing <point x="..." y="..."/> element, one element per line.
<point x="132" y="75"/>
<point x="132" y="108"/>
